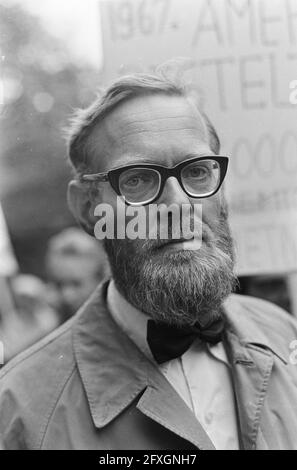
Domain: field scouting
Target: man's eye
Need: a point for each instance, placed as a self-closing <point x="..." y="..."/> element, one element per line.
<point x="133" y="182"/>
<point x="137" y="181"/>
<point x="197" y="172"/>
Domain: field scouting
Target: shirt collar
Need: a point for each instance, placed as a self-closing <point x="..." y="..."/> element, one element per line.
<point x="134" y="323"/>
<point x="131" y="320"/>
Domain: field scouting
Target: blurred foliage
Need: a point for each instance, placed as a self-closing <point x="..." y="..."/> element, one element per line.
<point x="41" y="87"/>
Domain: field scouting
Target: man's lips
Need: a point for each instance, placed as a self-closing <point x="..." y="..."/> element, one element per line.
<point x="187" y="243"/>
<point x="182" y="243"/>
<point x="193" y="244"/>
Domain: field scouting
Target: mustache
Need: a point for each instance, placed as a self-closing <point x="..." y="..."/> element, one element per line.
<point x="205" y="235"/>
<point x="212" y="238"/>
<point x="208" y="234"/>
<point x="214" y="234"/>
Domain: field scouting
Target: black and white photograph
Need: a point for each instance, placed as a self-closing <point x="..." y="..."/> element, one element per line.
<point x="144" y="316"/>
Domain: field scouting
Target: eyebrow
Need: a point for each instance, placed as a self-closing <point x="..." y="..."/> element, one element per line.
<point x="130" y="160"/>
<point x="135" y="159"/>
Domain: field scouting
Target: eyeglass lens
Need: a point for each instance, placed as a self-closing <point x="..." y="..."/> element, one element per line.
<point x="201" y="178"/>
<point x="198" y="178"/>
<point x="139" y="184"/>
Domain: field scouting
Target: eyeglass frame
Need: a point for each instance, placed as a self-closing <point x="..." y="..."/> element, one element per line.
<point x="113" y="176"/>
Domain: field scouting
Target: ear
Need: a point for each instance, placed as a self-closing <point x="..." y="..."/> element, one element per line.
<point x="82" y="205"/>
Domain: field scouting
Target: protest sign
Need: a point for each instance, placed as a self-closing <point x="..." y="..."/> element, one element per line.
<point x="243" y="61"/>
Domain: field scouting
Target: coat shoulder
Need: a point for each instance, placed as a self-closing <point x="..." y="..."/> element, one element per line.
<point x="261" y="311"/>
<point x="30" y="385"/>
<point x="261" y="321"/>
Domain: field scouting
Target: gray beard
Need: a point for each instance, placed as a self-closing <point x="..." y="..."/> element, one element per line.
<point x="175" y="287"/>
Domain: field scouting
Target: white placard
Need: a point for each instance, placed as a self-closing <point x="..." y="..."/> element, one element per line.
<point x="244" y="58"/>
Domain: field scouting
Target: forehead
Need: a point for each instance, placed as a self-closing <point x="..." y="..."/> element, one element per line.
<point x="156" y="128"/>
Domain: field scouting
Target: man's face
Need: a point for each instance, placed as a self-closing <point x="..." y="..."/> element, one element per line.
<point x="170" y="283"/>
<point x="74" y="278"/>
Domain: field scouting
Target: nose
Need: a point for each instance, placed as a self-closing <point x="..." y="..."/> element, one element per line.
<point x="173" y="193"/>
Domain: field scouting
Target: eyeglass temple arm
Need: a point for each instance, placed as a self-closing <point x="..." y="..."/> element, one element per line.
<point x="95" y="177"/>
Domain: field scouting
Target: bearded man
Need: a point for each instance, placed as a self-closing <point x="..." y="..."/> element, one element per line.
<point x="163" y="355"/>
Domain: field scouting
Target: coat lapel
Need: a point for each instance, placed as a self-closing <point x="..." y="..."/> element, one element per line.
<point x="252" y="345"/>
<point x="251" y="372"/>
<point x="161" y="403"/>
<point x="114" y="372"/>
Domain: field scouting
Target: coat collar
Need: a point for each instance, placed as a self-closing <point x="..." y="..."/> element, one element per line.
<point x="252" y="341"/>
<point x="115" y="372"/>
<point x="105" y="355"/>
<point x="251" y="323"/>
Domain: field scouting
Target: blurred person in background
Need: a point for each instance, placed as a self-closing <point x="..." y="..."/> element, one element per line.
<point x="76" y="264"/>
<point x="32" y="319"/>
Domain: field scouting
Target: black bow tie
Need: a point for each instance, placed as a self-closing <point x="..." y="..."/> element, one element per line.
<point x="169" y="342"/>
